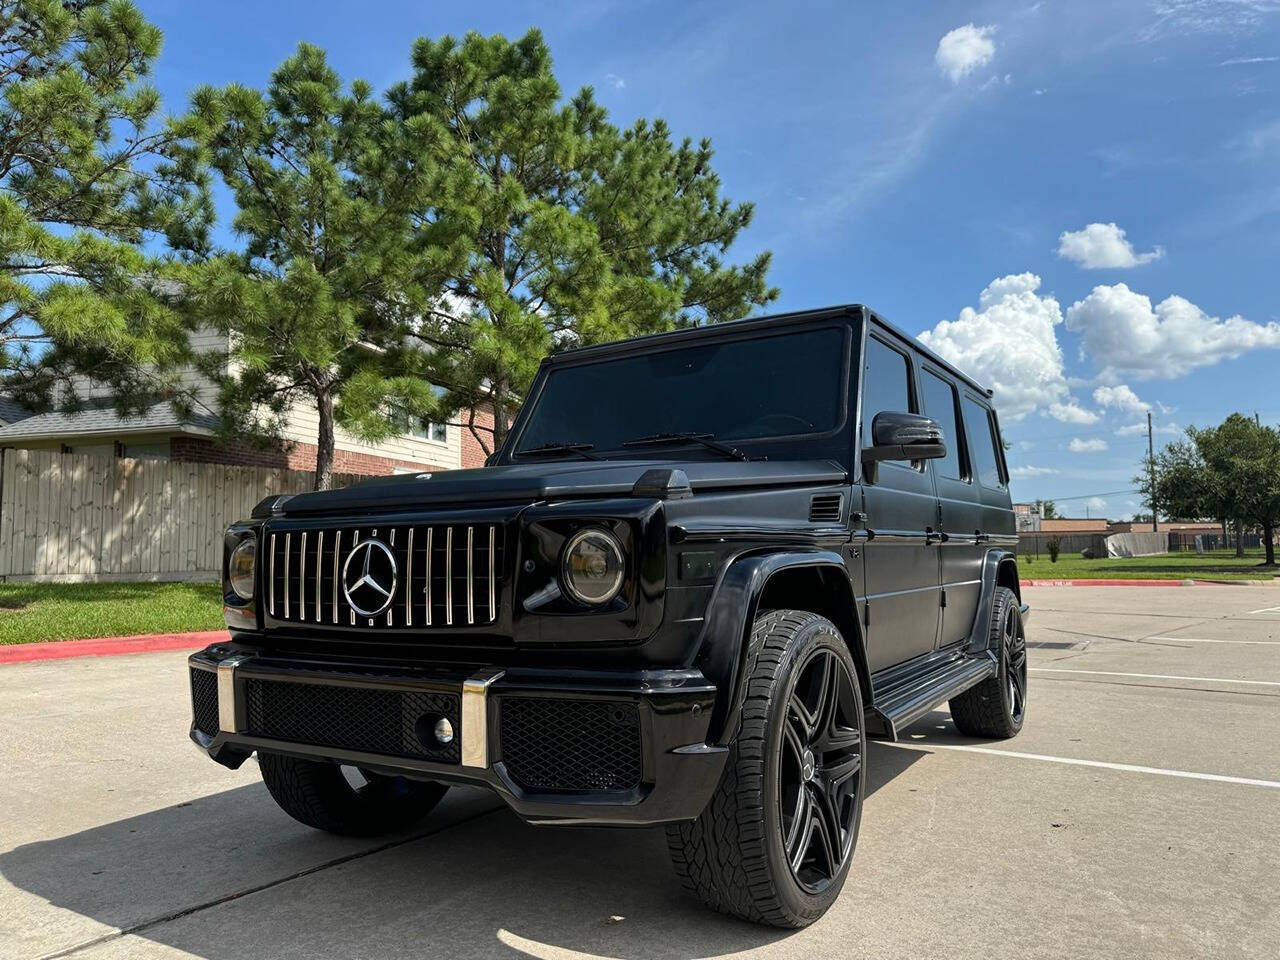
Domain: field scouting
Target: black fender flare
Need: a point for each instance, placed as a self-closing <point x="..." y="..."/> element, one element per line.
<point x="723" y="649"/>
<point x="999" y="569"/>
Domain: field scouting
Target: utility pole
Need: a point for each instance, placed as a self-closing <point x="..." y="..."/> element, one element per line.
<point x="1151" y="472"/>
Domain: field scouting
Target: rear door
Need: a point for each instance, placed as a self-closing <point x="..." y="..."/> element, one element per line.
<point x="901" y="568"/>
<point x="959" y="509"/>
<point x="990" y="478"/>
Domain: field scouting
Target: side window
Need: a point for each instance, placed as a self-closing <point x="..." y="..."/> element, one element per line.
<point x="940" y="404"/>
<point x="982" y="440"/>
<point x="886" y="383"/>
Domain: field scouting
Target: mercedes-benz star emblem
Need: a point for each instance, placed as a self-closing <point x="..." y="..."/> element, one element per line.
<point x="369" y="577"/>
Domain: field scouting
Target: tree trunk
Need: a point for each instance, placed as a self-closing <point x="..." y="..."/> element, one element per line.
<point x="1268" y="530"/>
<point x="324" y="442"/>
<point x="1239" y="538"/>
<point x="500" y="416"/>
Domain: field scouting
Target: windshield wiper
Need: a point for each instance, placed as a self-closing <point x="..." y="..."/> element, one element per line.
<point x="567" y="446"/>
<point x="706" y="439"/>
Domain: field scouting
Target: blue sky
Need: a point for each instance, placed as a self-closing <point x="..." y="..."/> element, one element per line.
<point x="1077" y="200"/>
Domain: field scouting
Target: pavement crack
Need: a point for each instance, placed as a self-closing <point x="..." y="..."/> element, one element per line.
<point x="147" y="924"/>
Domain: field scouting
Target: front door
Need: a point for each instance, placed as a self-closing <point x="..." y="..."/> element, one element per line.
<point x="901" y="567"/>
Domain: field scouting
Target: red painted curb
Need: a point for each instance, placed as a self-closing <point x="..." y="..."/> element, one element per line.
<point x="1105" y="583"/>
<point x="108" y="646"/>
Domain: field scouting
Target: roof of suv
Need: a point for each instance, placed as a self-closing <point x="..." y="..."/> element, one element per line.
<point x="777" y="319"/>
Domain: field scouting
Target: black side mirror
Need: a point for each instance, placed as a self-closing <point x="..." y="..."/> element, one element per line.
<point x="902" y="436"/>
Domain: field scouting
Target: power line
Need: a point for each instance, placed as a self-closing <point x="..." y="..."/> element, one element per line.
<point x="1087" y="496"/>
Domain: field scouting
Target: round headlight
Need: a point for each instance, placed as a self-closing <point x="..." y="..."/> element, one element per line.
<point x="240" y="568"/>
<point x="592" y="566"/>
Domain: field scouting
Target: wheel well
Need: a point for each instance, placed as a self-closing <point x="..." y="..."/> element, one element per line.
<point x="1007" y="576"/>
<point x="825" y="591"/>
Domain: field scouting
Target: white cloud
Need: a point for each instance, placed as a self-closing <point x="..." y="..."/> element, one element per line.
<point x="1102" y="246"/>
<point x="1120" y="397"/>
<point x="1122" y="332"/>
<point x="1086" y="446"/>
<point x="1072" y="412"/>
<point x="964" y="50"/>
<point x="615" y="81"/>
<point x="1207" y="16"/>
<point x="1095" y="505"/>
<point x="1137" y="429"/>
<point x="1009" y="344"/>
<point x="1031" y="471"/>
<point x="1238" y="61"/>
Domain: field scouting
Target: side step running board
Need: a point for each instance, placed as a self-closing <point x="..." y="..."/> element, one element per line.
<point x="899" y="707"/>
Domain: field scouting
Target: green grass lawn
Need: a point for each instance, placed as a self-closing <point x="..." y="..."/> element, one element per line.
<point x="1218" y="565"/>
<point x="70" y="611"/>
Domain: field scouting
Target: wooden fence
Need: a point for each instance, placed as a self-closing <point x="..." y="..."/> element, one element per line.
<point x="70" y="516"/>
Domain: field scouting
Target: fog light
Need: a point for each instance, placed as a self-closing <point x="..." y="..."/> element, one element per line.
<point x="443" y="731"/>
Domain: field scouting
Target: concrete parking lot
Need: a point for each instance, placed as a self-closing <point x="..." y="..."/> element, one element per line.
<point x="1137" y="815"/>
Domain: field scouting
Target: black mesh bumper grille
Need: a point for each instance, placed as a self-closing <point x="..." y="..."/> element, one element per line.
<point x="384" y="722"/>
<point x="204" y="700"/>
<point x="557" y="745"/>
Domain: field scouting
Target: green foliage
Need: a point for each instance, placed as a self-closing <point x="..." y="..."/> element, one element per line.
<point x="546" y="226"/>
<point x="1228" y="472"/>
<point x="453" y="236"/>
<point x="1053" y="546"/>
<point x="318" y="301"/>
<point x="87" y="175"/>
<point x="1048" y="509"/>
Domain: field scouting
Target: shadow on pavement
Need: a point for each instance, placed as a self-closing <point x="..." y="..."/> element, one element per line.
<point x="229" y="876"/>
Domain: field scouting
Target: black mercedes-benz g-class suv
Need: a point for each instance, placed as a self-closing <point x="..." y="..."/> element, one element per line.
<point x="704" y="567"/>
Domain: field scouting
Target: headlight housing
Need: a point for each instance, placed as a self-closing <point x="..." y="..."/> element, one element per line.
<point x="592" y="566"/>
<point x="240" y="568"/>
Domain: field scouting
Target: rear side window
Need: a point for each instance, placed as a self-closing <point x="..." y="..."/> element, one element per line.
<point x="886" y="385"/>
<point x="940" y="405"/>
<point x="983" y="442"/>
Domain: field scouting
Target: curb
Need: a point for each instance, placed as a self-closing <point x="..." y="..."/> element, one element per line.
<point x="107" y="646"/>
<point x="1143" y="583"/>
<point x="1108" y="583"/>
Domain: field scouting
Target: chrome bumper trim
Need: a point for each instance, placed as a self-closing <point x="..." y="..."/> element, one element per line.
<point x="475" y="717"/>
<point x="227" y="691"/>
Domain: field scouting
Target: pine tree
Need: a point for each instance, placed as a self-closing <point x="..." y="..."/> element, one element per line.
<point x="316" y="303"/>
<point x="546" y="226"/>
<point x="87" y="175"/>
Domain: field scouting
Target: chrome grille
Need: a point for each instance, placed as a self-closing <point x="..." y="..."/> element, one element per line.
<point x="447" y="575"/>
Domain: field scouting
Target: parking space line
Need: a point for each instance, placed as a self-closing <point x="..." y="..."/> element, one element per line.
<point x="1267" y="610"/>
<point x="1100" y="764"/>
<point x="1156" y="676"/>
<point x="1256" y="643"/>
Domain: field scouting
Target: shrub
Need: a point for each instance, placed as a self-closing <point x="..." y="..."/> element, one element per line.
<point x="1054" y="546"/>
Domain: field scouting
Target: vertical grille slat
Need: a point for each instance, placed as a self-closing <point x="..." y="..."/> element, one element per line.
<point x="448" y="575"/>
<point x="430" y="548"/>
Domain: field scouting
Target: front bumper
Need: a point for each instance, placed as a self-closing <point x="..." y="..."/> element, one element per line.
<point x="585" y="747"/>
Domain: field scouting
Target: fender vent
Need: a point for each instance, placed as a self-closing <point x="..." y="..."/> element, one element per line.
<point x="826" y="508"/>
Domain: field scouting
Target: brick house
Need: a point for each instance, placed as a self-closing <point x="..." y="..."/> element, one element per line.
<point x="160" y="434"/>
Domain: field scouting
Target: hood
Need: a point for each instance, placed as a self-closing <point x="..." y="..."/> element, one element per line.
<point x="530" y="482"/>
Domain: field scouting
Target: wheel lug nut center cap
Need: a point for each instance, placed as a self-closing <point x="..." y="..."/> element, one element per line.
<point x="808" y="766"/>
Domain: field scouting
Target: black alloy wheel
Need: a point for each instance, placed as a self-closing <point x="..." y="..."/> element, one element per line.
<point x="819" y="769"/>
<point x="1013" y="640"/>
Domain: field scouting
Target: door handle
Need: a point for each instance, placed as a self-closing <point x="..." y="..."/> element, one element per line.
<point x="980" y="537"/>
<point x="930" y="537"/>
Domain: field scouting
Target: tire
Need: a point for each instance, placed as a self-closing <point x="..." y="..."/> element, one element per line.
<point x="997" y="707"/>
<point x="318" y="794"/>
<point x="735" y="855"/>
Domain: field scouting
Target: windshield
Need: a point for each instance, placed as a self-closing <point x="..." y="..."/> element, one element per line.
<point x="782" y="385"/>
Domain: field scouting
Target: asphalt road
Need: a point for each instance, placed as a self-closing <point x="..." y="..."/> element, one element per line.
<point x="1137" y="815"/>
